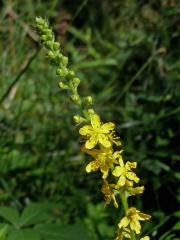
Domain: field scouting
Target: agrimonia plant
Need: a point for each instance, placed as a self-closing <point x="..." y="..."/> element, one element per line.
<point x="100" y="142"/>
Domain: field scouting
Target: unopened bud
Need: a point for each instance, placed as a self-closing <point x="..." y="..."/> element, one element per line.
<point x="71" y="74"/>
<point x="63" y="86"/>
<point x="49" y="44"/>
<point x="59" y="58"/>
<point x="48" y="31"/>
<point x="40" y="21"/>
<point x="76" y="82"/>
<point x="49" y="37"/>
<point x="88" y="100"/>
<point x="78" y="119"/>
<point x="76" y="99"/>
<point x="56" y="45"/>
<point x="44" y="37"/>
<point x="51" y="54"/>
<point x="62" y="72"/>
<point x="91" y="111"/>
<point x="64" y="60"/>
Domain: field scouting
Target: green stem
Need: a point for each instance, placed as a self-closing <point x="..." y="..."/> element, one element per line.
<point x="125" y="206"/>
<point x="133" y="237"/>
<point x="124" y="200"/>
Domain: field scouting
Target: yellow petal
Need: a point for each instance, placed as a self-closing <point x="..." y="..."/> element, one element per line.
<point x="121" y="182"/>
<point x="137" y="190"/>
<point x="143" y="216"/>
<point x="103" y="139"/>
<point x="130" y="165"/>
<point x="86" y="130"/>
<point x="132" y="176"/>
<point x="92" y="166"/>
<point x="104" y="170"/>
<point x="95" y="121"/>
<point x="107" y="127"/>
<point x="91" y="142"/>
<point x="124" y="222"/>
<point x="91" y="152"/>
<point x="135" y="226"/>
<point x="117" y="171"/>
<point x="121" y="163"/>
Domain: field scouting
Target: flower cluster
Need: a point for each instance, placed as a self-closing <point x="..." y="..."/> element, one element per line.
<point x="100" y="142"/>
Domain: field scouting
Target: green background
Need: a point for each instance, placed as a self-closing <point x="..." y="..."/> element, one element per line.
<point x="126" y="54"/>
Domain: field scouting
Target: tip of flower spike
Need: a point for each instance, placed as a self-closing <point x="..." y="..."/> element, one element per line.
<point x="41" y="21"/>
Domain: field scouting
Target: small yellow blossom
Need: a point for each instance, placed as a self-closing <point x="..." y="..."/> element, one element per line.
<point x="104" y="159"/>
<point x="108" y="193"/>
<point x="132" y="218"/>
<point x="97" y="132"/>
<point x="124" y="172"/>
<point x="145" y="238"/>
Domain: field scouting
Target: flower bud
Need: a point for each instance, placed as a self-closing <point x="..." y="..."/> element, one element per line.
<point x="62" y="72"/>
<point x="76" y="99"/>
<point x="49" y="44"/>
<point x="63" y="86"/>
<point x="40" y="21"/>
<point x="48" y="31"/>
<point x="56" y="45"/>
<point x="76" y="81"/>
<point x="51" y="54"/>
<point x="88" y="100"/>
<point x="64" y="60"/>
<point x="91" y="111"/>
<point x="44" y="37"/>
<point x="59" y="58"/>
<point x="71" y="74"/>
<point x="78" y="119"/>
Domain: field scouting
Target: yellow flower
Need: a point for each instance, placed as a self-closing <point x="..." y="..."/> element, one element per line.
<point x="124" y="172"/>
<point x="132" y="218"/>
<point x="145" y="238"/>
<point x="97" y="132"/>
<point x="104" y="159"/>
<point x="108" y="193"/>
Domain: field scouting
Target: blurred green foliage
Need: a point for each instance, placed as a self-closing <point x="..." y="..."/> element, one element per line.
<point x="127" y="56"/>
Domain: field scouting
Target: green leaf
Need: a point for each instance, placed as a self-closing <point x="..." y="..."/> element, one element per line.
<point x="167" y="236"/>
<point x="177" y="214"/>
<point x="96" y="63"/>
<point x="35" y="213"/>
<point x="10" y="214"/>
<point x="176" y="227"/>
<point x="63" y="232"/>
<point x="3" y="232"/>
<point x="26" y="234"/>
